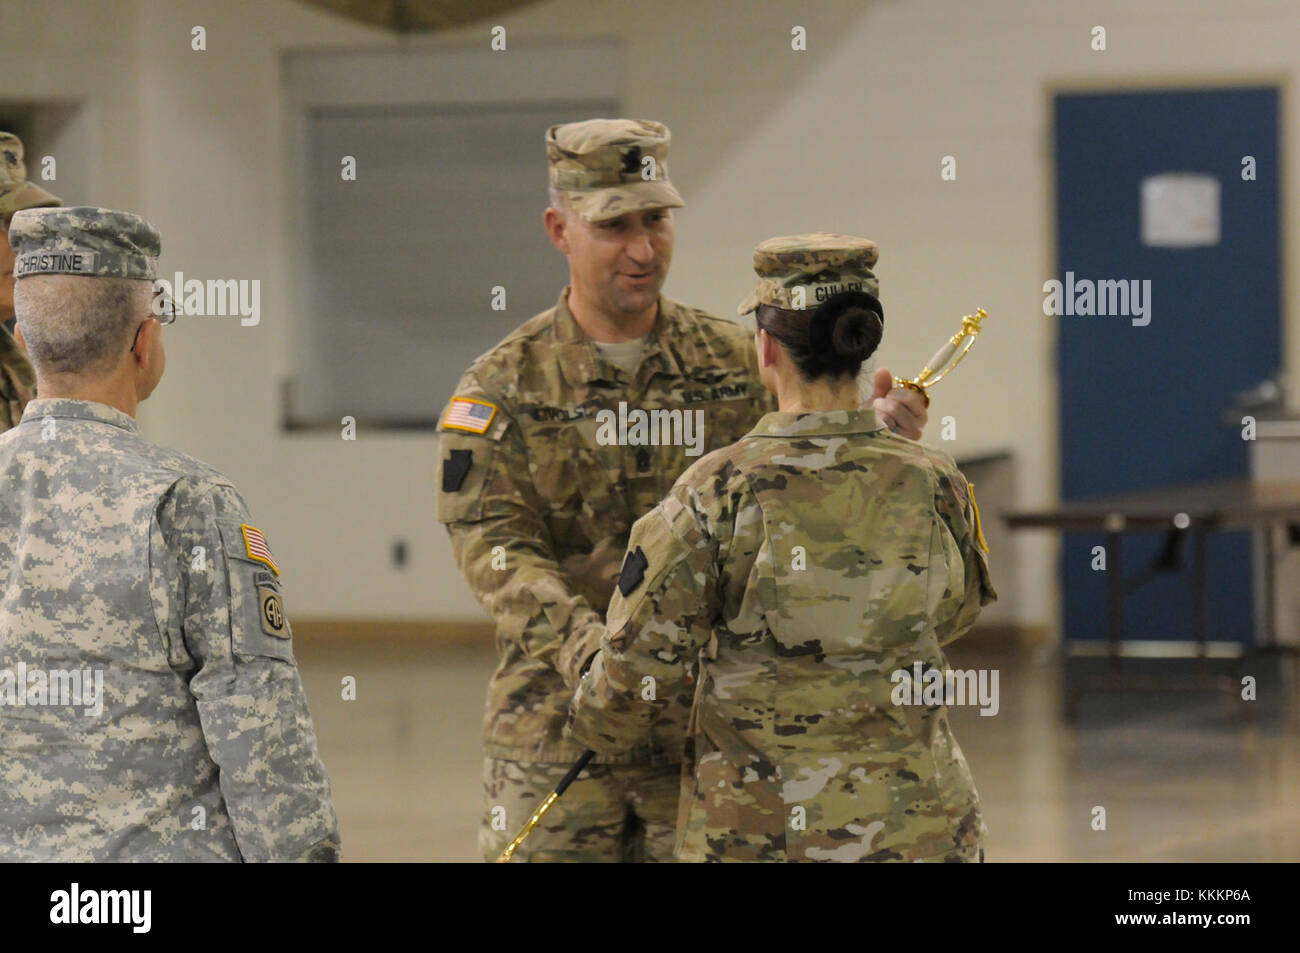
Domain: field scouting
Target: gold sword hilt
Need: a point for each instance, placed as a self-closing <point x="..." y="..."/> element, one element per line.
<point x="574" y="770"/>
<point x="947" y="357"/>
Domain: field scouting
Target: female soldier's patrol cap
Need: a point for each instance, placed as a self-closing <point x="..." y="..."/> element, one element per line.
<point x="83" y="240"/>
<point x="609" y="167"/>
<point x="15" y="191"/>
<point x="799" y="272"/>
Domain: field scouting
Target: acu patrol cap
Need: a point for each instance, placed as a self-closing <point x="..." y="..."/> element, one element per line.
<point x="609" y="167"/>
<point x="799" y="272"/>
<point x="83" y="240"/>
<point x="15" y="191"/>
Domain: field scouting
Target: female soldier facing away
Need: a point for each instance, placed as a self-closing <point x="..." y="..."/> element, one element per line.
<point x="804" y="566"/>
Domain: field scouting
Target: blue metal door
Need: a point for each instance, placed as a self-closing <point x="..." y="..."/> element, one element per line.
<point x="1141" y="403"/>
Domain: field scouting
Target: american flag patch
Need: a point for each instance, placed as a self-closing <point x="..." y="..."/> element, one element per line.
<point x="256" y="548"/>
<point x="465" y="413"/>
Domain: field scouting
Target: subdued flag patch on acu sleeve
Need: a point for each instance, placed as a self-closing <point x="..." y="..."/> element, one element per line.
<point x="634" y="567"/>
<point x="255" y="547"/>
<point x="469" y="414"/>
<point x="454" y="469"/>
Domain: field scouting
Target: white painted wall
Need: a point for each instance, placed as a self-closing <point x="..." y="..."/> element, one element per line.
<point x="847" y="136"/>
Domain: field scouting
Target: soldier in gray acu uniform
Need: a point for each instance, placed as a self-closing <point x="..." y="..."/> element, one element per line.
<point x="810" y="562"/>
<point x="538" y="504"/>
<point x="150" y="704"/>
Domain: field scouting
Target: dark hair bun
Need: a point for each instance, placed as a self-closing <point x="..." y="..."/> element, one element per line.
<point x="832" y="340"/>
<point x="845" y="330"/>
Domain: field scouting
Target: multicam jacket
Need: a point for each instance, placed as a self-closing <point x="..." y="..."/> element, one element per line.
<point x="538" y="501"/>
<point x="810" y="562"/>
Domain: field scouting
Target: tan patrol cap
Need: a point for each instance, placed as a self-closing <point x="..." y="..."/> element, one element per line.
<point x="609" y="167"/>
<point x="16" y="192"/>
<point x="799" y="272"/>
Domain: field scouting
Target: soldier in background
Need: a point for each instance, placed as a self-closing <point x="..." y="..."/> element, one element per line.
<point x="17" y="379"/>
<point x="810" y="561"/>
<point x="539" y="505"/>
<point x="150" y="704"/>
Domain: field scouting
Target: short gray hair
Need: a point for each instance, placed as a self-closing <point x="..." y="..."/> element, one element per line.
<point x="77" y="324"/>
<point x="559" y="199"/>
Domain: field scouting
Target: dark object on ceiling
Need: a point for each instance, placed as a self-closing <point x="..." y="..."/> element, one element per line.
<point x="418" y="16"/>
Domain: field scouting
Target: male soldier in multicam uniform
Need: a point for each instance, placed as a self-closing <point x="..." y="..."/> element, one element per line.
<point x="538" y="509"/>
<point x="810" y="561"/>
<point x="17" y="379"/>
<point x="135" y="569"/>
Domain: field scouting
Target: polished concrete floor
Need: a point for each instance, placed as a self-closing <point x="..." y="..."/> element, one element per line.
<point x="1180" y="777"/>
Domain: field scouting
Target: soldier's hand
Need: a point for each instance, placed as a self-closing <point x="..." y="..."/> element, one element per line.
<point x="901" y="409"/>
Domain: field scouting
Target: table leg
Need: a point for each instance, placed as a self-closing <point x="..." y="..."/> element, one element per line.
<point x="1270" y="584"/>
<point x="1114" y="599"/>
<point x="1202" y="588"/>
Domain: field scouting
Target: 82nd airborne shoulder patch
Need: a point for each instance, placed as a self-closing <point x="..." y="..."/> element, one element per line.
<point x="271" y="610"/>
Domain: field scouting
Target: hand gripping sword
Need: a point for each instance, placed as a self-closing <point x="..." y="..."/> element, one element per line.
<point x="947" y="357"/>
<point x="936" y="369"/>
